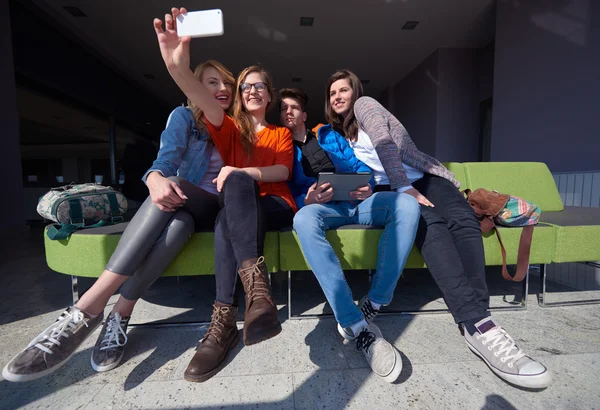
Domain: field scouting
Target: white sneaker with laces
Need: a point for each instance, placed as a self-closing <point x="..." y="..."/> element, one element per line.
<point x="382" y="356"/>
<point x="499" y="351"/>
<point x="110" y="346"/>
<point x="53" y="347"/>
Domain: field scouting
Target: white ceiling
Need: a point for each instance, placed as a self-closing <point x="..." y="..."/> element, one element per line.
<point x="364" y="36"/>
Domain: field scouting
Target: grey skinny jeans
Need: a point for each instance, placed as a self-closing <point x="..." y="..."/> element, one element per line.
<point x="154" y="238"/>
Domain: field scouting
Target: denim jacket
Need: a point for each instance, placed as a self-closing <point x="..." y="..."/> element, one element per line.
<point x="184" y="151"/>
<point x="339" y="152"/>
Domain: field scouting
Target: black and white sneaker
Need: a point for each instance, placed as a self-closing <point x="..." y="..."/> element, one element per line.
<point x="369" y="313"/>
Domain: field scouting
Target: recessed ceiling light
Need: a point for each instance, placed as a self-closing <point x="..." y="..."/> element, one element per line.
<point x="365" y="81"/>
<point x="149" y="76"/>
<point x="75" y="11"/>
<point x="296" y="79"/>
<point x="410" y="25"/>
<point x="307" y="21"/>
<point x="148" y="123"/>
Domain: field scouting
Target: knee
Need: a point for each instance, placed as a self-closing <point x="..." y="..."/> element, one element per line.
<point x="464" y="218"/>
<point x="181" y="224"/>
<point x="238" y="178"/>
<point x="306" y="221"/>
<point x="408" y="206"/>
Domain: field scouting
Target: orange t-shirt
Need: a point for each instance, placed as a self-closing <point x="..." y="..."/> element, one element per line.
<point x="274" y="147"/>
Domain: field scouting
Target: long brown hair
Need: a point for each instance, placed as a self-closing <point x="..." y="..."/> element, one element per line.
<point x="241" y="116"/>
<point x="198" y="72"/>
<point x="348" y="125"/>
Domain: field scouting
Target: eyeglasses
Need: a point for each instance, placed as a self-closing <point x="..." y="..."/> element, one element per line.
<point x="246" y="87"/>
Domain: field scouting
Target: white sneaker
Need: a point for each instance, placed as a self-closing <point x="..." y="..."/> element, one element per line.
<point x="499" y="351"/>
<point x="369" y="313"/>
<point x="381" y="355"/>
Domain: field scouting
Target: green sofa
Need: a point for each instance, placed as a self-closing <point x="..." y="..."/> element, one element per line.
<point x="565" y="235"/>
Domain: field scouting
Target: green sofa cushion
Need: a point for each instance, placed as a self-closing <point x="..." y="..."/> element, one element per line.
<point x="86" y="252"/>
<point x="577" y="233"/>
<point x="529" y="180"/>
<point x="355" y="245"/>
<point x="542" y="245"/>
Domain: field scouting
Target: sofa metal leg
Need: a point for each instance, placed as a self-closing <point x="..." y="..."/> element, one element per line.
<point x="75" y="289"/>
<point x="526" y="289"/>
<point x="542" y="295"/>
<point x="289" y="295"/>
<point x="542" y="292"/>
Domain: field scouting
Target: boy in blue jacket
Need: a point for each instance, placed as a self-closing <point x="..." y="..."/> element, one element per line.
<point x="397" y="213"/>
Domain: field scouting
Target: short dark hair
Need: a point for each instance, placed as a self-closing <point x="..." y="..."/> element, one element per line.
<point x="295" y="93"/>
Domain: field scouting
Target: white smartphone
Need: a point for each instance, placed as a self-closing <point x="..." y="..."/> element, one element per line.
<point x="205" y="23"/>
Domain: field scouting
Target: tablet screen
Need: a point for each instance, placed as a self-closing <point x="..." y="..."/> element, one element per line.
<point x="343" y="184"/>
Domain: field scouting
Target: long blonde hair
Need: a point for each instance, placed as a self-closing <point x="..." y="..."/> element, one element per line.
<point x="241" y="116"/>
<point x="348" y="125"/>
<point x="198" y="72"/>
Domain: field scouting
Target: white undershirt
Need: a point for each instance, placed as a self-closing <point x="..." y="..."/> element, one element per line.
<point x="364" y="150"/>
<point x="212" y="171"/>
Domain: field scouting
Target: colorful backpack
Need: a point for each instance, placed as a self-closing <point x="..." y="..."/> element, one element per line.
<point x="493" y="208"/>
<point x="78" y="206"/>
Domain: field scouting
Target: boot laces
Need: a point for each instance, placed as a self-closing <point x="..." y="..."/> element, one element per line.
<point x="258" y="285"/>
<point x="218" y="324"/>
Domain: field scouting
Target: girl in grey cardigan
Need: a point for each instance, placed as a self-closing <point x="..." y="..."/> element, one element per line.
<point x="449" y="235"/>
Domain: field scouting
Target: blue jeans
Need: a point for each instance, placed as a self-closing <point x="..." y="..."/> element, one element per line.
<point x="397" y="213"/>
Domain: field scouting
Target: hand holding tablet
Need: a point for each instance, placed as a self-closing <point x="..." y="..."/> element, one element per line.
<point x="343" y="185"/>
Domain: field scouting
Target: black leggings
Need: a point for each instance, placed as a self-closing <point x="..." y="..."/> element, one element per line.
<point x="449" y="238"/>
<point x="241" y="227"/>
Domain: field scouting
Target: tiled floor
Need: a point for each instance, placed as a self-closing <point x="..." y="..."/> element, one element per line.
<point x="307" y="365"/>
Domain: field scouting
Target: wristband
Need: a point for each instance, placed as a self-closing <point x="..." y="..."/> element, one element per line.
<point x="259" y="174"/>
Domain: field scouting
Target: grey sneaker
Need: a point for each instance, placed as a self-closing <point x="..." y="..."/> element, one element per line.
<point x="53" y="347"/>
<point x="499" y="351"/>
<point x="110" y="346"/>
<point x="381" y="355"/>
<point x="368" y="311"/>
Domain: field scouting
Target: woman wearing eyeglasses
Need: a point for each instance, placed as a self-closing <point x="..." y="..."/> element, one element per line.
<point x="253" y="196"/>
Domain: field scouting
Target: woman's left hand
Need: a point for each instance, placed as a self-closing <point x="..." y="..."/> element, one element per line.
<point x="362" y="193"/>
<point x="222" y="177"/>
<point x="175" y="51"/>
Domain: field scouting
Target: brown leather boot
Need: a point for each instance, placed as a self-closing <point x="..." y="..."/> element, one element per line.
<point x="220" y="339"/>
<point x="260" y="320"/>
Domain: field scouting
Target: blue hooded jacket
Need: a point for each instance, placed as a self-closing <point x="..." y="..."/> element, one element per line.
<point x="339" y="152"/>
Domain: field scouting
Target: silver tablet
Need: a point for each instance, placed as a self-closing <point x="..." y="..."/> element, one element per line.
<point x="343" y="184"/>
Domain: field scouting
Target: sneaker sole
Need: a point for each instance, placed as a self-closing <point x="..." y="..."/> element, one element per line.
<point x="206" y="376"/>
<point x="396" y="370"/>
<point x="538" y="381"/>
<point x="17" y="378"/>
<point x="344" y="334"/>
<point x="100" y="368"/>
